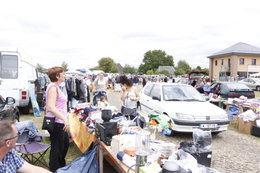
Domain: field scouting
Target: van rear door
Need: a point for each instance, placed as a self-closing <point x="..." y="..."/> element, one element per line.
<point x="9" y="78"/>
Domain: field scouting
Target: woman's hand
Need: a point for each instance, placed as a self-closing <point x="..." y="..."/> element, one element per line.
<point x="66" y="127"/>
<point x="123" y="88"/>
<point x="133" y="98"/>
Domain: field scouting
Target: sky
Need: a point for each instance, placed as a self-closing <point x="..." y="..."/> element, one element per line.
<point x="81" y="32"/>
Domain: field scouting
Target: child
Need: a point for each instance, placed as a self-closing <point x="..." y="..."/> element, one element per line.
<point x="102" y="103"/>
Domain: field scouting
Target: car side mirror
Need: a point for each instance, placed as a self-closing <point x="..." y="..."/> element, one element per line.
<point x="156" y="98"/>
<point x="10" y="100"/>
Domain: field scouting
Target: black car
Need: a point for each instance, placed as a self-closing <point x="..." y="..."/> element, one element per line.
<point x="232" y="90"/>
<point x="8" y="110"/>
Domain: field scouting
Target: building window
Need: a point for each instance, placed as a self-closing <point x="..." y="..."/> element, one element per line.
<point x="241" y="75"/>
<point x="241" y="61"/>
<point x="222" y="61"/>
<point x="253" y="61"/>
<point x="216" y="62"/>
<point x="229" y="63"/>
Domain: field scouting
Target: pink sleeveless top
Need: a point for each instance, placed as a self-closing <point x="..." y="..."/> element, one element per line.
<point x="61" y="103"/>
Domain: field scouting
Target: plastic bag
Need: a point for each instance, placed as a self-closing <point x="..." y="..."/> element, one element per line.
<point x="202" y="139"/>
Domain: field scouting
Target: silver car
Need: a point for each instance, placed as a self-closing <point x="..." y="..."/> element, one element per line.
<point x="253" y="83"/>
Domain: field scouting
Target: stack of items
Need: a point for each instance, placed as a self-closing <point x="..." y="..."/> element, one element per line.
<point x="200" y="148"/>
<point x="192" y="156"/>
<point x="247" y="120"/>
<point x="107" y="129"/>
<point x="163" y="123"/>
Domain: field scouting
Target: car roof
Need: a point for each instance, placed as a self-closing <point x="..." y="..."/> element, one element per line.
<point x="165" y="83"/>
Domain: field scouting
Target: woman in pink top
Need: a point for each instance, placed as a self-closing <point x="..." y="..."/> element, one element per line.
<point x="56" y="106"/>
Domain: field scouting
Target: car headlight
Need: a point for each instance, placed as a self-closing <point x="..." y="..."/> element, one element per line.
<point x="182" y="116"/>
<point x="224" y="116"/>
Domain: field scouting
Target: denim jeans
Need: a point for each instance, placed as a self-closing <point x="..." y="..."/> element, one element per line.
<point x="27" y="125"/>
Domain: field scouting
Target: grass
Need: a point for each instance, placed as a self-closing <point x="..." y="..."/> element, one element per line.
<point x="257" y="94"/>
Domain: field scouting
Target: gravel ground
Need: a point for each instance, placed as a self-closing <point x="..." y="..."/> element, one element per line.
<point x="232" y="152"/>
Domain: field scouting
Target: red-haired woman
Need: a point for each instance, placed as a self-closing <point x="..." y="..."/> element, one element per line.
<point x="56" y="106"/>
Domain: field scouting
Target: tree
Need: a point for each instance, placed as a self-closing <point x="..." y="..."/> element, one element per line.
<point x="153" y="59"/>
<point x="198" y="68"/>
<point x="107" y="65"/>
<point x="182" y="68"/>
<point x="150" y="72"/>
<point x="129" y="69"/>
<point x="165" y="72"/>
<point x="40" y="67"/>
<point x="65" y="66"/>
<point x="114" y="69"/>
<point x="95" y="68"/>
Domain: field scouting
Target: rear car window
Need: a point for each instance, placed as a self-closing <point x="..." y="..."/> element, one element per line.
<point x="235" y="86"/>
<point x="156" y="91"/>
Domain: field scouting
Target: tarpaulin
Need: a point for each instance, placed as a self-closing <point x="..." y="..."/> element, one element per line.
<point x="86" y="163"/>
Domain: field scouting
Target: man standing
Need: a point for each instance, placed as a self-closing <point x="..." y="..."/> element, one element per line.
<point x="10" y="160"/>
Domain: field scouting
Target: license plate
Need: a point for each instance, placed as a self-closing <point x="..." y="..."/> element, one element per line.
<point x="208" y="126"/>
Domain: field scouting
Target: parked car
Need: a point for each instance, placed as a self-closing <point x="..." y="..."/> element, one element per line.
<point x="232" y="90"/>
<point x="8" y="110"/>
<point x="186" y="107"/>
<point x="253" y="83"/>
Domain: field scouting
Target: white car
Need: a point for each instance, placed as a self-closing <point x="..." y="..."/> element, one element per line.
<point x="185" y="106"/>
<point x="253" y="83"/>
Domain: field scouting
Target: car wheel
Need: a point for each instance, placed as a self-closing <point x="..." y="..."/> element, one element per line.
<point x="257" y="88"/>
<point x="25" y="110"/>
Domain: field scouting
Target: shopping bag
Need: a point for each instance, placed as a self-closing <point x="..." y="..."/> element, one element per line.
<point x="86" y="163"/>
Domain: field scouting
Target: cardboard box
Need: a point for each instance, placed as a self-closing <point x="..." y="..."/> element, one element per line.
<point x="234" y="122"/>
<point x="245" y="127"/>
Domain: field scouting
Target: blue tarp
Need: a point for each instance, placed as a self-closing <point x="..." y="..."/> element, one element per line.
<point x="233" y="110"/>
<point x="86" y="163"/>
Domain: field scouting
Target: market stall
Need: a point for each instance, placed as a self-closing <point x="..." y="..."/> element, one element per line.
<point x="244" y="115"/>
<point x="130" y="148"/>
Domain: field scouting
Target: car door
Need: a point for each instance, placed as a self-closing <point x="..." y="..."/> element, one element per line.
<point x="145" y="97"/>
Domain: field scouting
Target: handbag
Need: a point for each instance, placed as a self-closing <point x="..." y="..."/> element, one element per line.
<point x="48" y="123"/>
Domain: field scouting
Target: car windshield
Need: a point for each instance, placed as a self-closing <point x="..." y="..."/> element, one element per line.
<point x="181" y="93"/>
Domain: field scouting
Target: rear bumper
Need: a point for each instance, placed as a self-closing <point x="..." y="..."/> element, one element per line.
<point x="22" y="103"/>
<point x="189" y="126"/>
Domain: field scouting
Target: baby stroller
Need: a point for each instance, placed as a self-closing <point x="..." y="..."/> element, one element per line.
<point x="97" y="95"/>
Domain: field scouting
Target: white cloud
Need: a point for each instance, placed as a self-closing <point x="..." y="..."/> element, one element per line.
<point x="82" y="32"/>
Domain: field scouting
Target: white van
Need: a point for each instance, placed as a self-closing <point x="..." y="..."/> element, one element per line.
<point x="16" y="78"/>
